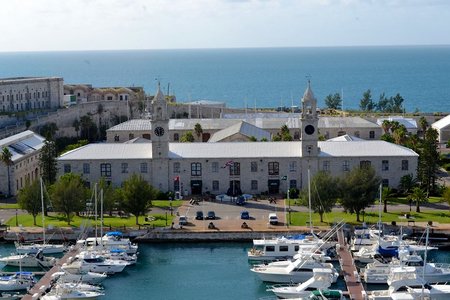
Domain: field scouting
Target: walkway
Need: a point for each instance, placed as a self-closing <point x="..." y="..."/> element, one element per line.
<point x="45" y="281"/>
<point x="354" y="286"/>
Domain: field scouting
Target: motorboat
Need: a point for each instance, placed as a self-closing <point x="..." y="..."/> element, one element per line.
<point x="296" y="271"/>
<point x="10" y="296"/>
<point x="88" y="262"/>
<point x="363" y="237"/>
<point x="321" y="280"/>
<point x="29" y="260"/>
<point x="63" y="293"/>
<point x="79" y="286"/>
<point x="17" y="281"/>
<point x="378" y="272"/>
<point x="111" y="240"/>
<point x="405" y="283"/>
<point x="74" y="275"/>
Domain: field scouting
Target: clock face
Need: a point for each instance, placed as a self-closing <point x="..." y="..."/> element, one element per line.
<point x="309" y="129"/>
<point x="159" y="131"/>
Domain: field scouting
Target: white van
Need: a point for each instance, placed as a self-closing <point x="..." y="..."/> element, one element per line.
<point x="273" y="219"/>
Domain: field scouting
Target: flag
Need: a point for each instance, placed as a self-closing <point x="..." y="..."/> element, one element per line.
<point x="176" y="178"/>
<point x="284" y="177"/>
<point x="228" y="164"/>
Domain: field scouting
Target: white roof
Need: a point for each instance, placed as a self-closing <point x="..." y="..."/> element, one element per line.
<point x="22" y="144"/>
<point x="345" y="138"/>
<point x="345" y="122"/>
<point x="243" y="128"/>
<point x="363" y="149"/>
<point x="109" y="151"/>
<point x="409" y="123"/>
<point x="442" y="123"/>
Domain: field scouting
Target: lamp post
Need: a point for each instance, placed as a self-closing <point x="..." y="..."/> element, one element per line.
<point x="289" y="208"/>
<point x="17" y="220"/>
<point x="410" y="204"/>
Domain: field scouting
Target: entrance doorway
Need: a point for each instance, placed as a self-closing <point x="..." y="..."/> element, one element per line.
<point x="274" y="186"/>
<point x="235" y="188"/>
<point x="196" y="187"/>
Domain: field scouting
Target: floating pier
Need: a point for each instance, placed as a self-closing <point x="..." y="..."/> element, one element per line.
<point x="354" y="286"/>
<point x="44" y="283"/>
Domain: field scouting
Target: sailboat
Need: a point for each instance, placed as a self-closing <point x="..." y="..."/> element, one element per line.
<point x="36" y="247"/>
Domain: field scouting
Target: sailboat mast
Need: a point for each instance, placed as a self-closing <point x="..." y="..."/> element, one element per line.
<point x="95" y="212"/>
<point x="309" y="200"/>
<point x="379" y="217"/>
<point x="101" y="217"/>
<point x="42" y="204"/>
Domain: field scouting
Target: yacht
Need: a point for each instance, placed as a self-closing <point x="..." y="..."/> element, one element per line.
<point x="18" y="281"/>
<point x="405" y="284"/>
<point x="29" y="260"/>
<point x="296" y="271"/>
<point x="378" y="272"/>
<point x="363" y="237"/>
<point x="96" y="263"/>
<point x="63" y="293"/>
<point x="110" y="241"/>
<point x="75" y="275"/>
<point x="10" y="296"/>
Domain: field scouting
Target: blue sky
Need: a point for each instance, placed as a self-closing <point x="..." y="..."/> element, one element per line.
<point x="39" y="25"/>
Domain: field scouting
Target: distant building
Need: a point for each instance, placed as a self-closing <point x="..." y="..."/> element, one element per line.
<point x="25" y="148"/>
<point x="87" y="93"/>
<point x="27" y="93"/>
<point x="443" y="128"/>
<point x="227" y="167"/>
<point x="409" y="123"/>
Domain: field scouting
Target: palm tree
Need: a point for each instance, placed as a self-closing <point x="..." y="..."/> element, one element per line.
<point x="399" y="135"/>
<point x="419" y="196"/>
<point x="6" y="158"/>
<point x="76" y="126"/>
<point x="386" y="125"/>
<point x="198" y="129"/>
<point x="423" y="124"/>
<point x="386" y="195"/>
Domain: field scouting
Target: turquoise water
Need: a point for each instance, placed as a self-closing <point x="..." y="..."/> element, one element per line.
<point x="194" y="271"/>
<point x="266" y="77"/>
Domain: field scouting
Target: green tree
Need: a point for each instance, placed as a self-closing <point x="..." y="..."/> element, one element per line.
<point x="27" y="123"/>
<point x="366" y="103"/>
<point x="397" y="104"/>
<point x="407" y="183"/>
<point x="76" y="126"/>
<point x="446" y="194"/>
<point x="386" y="195"/>
<point x="69" y="195"/>
<point x="49" y="130"/>
<point x="29" y="199"/>
<point x="137" y="196"/>
<point x="187" y="137"/>
<point x="6" y="158"/>
<point x="88" y="128"/>
<point x="419" y="196"/>
<point x="323" y="193"/>
<point x="109" y="196"/>
<point x="47" y="162"/>
<point x="198" y="130"/>
<point x="252" y="139"/>
<point x="423" y="125"/>
<point x="428" y="160"/>
<point x="359" y="190"/>
<point x="386" y="125"/>
<point x="333" y="101"/>
<point x="399" y="135"/>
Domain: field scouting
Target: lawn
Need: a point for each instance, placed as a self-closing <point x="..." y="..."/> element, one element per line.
<point x="157" y="220"/>
<point x="9" y="206"/>
<point x="301" y="218"/>
<point x="166" y="203"/>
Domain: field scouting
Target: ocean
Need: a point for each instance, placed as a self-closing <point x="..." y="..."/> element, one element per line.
<point x="262" y="77"/>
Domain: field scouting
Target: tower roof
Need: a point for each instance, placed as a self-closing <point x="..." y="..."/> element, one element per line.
<point x="308" y="95"/>
<point x="159" y="96"/>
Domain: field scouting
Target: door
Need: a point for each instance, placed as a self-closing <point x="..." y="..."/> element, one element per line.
<point x="196" y="187"/>
<point x="274" y="186"/>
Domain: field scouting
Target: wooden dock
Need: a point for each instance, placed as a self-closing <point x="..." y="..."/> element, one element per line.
<point x="355" y="288"/>
<point x="40" y="287"/>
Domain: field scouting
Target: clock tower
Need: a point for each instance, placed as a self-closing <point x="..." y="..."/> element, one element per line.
<point x="309" y="121"/>
<point x="160" y="126"/>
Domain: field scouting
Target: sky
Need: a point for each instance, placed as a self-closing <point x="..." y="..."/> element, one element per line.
<point x="48" y="25"/>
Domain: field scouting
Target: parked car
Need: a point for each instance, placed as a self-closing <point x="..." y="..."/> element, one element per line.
<point x="211" y="215"/>
<point x="240" y="200"/>
<point x="245" y="215"/>
<point x="273" y="219"/>
<point x="182" y="220"/>
<point x="199" y="215"/>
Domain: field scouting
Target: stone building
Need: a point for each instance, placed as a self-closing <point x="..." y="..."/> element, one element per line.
<point x="27" y="93"/>
<point x="25" y="148"/>
<point x="87" y="93"/>
<point x="227" y="167"/>
<point x="443" y="128"/>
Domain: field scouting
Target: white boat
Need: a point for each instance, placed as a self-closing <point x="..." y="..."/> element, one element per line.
<point x="79" y="286"/>
<point x="16" y="282"/>
<point x="10" y="296"/>
<point x="110" y="241"/>
<point x="378" y="272"/>
<point x="322" y="279"/>
<point x="296" y="271"/>
<point x="405" y="284"/>
<point x="29" y="260"/>
<point x="64" y="293"/>
<point x="34" y="248"/>
<point x="96" y="263"/>
<point x="74" y="275"/>
<point x="363" y="237"/>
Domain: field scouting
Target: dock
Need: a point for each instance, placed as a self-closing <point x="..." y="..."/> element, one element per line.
<point x="39" y="288"/>
<point x="354" y="286"/>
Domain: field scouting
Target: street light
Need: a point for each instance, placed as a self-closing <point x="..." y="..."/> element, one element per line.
<point x="17" y="220"/>
<point x="289" y="208"/>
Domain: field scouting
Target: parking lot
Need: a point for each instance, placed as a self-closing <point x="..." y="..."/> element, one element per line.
<point x="228" y="214"/>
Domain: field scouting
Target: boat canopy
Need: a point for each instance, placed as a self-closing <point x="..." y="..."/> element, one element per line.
<point x="114" y="233"/>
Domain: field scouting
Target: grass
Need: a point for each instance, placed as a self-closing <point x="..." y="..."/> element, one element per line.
<point x="9" y="206"/>
<point x="301" y="218"/>
<point x="166" y="203"/>
<point x="57" y="220"/>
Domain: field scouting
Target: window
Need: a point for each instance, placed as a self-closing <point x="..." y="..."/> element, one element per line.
<point x="86" y="168"/>
<point x="326" y="165"/>
<point x="292" y="183"/>
<point x="176" y="167"/>
<point x="341" y="133"/>
<point x="124" y="167"/>
<point x="176" y="137"/>
<point x="176" y="185"/>
<point x="105" y="170"/>
<point x="357" y="134"/>
<point x="215" y="185"/>
<point x="254" y="166"/>
<point x="67" y="168"/>
<point x="293" y="166"/>
<point x="365" y="164"/>
<point x="371" y="134"/>
<point x="270" y="248"/>
<point x="144" y="168"/>
<point x="385" y="165"/>
<point x="254" y="185"/>
<point x="345" y="166"/>
<point x="116" y="138"/>
<point x="131" y="136"/>
<point x="405" y="166"/>
<point x="284" y="248"/>
<point x="385" y="182"/>
<point x="196" y="169"/>
<point x="235" y="169"/>
<point x="215" y="167"/>
<point x="274" y="168"/>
